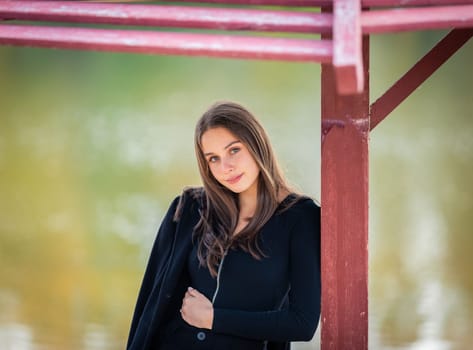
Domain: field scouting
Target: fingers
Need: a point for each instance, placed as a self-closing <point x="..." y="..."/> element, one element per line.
<point x="192" y="292"/>
<point x="187" y="300"/>
<point x="196" y="309"/>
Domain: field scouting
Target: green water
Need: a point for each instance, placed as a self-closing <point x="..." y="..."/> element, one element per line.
<point x="93" y="146"/>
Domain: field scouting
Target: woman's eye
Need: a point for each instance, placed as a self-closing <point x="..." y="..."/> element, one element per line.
<point x="234" y="150"/>
<point x="213" y="159"/>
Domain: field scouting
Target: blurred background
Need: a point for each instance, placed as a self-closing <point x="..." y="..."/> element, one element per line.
<point x="94" y="146"/>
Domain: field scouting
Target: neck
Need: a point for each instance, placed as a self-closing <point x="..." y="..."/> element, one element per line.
<point x="247" y="201"/>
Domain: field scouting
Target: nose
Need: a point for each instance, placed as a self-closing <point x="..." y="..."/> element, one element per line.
<point x="227" y="165"/>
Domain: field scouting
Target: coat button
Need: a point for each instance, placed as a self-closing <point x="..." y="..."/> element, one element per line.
<point x="201" y="336"/>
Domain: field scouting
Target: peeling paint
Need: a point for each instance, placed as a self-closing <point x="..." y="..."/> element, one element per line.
<point x="361" y="124"/>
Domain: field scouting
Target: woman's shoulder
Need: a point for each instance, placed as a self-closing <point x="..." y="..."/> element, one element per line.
<point x="296" y="207"/>
<point x="303" y="214"/>
<point x="193" y="193"/>
<point x="190" y="197"/>
<point x="297" y="202"/>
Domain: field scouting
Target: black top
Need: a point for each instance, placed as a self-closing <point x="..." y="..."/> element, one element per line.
<point x="249" y="294"/>
<point x="291" y="239"/>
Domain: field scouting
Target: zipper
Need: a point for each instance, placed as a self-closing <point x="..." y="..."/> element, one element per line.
<point x="218" y="277"/>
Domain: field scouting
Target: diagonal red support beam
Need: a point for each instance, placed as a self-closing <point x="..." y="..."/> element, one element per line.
<point x="152" y="42"/>
<point x="410" y="19"/>
<point x="347" y="61"/>
<point x="167" y="16"/>
<point x="423" y="69"/>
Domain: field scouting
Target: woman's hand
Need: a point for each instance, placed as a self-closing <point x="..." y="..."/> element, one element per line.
<point x="197" y="310"/>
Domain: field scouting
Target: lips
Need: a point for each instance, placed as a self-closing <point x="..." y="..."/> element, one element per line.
<point x="234" y="180"/>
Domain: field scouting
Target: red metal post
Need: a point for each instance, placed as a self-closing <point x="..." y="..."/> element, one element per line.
<point x="345" y="128"/>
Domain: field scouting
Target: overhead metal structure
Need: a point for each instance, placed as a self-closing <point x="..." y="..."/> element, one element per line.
<point x="348" y="117"/>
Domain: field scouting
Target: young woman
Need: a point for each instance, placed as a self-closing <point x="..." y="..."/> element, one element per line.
<point x="236" y="264"/>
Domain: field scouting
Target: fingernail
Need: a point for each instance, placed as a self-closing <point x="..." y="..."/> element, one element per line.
<point x="190" y="288"/>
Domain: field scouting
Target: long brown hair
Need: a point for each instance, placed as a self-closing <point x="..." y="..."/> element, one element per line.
<point x="220" y="206"/>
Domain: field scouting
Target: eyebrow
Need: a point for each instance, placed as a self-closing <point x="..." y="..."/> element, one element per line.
<point x="229" y="145"/>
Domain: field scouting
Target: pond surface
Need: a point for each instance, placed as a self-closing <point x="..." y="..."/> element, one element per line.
<point x="94" y="146"/>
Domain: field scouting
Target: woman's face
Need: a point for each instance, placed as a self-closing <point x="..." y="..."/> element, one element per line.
<point x="229" y="160"/>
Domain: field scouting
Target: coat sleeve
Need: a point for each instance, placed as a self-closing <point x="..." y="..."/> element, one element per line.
<point x="155" y="267"/>
<point x="299" y="320"/>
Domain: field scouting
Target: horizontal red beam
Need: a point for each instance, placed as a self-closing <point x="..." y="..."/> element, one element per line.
<point x="397" y="20"/>
<point x="295" y="3"/>
<point x="320" y="3"/>
<point x="153" y="42"/>
<point x="376" y="21"/>
<point x="168" y="16"/>
<point x="409" y="3"/>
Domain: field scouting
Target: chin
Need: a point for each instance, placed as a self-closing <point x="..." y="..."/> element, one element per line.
<point x="236" y="189"/>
